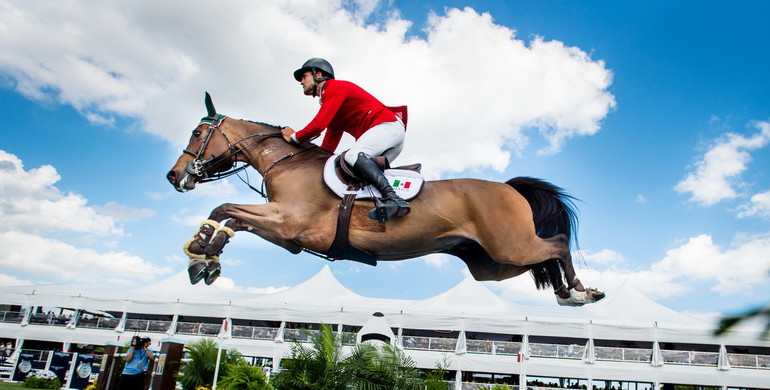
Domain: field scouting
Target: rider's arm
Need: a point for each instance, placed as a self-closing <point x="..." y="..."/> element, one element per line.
<point x="331" y="139"/>
<point x="332" y="98"/>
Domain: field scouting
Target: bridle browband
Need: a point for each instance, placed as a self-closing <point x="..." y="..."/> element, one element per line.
<point x="200" y="168"/>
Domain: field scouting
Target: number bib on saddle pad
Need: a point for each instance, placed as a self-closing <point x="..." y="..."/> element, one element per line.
<point x="406" y="183"/>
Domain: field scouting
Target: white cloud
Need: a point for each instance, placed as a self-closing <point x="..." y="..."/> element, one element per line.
<point x="717" y="172"/>
<point x="742" y="267"/>
<point x="734" y="269"/>
<point x="604" y="256"/>
<point x="641" y="199"/>
<point x="471" y="84"/>
<point x="437" y="260"/>
<point x="52" y="258"/>
<point x="758" y="206"/>
<point x="30" y="202"/>
<point x="8" y="280"/>
<point x="124" y="213"/>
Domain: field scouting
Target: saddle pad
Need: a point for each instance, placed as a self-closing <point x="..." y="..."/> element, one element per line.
<point x="407" y="184"/>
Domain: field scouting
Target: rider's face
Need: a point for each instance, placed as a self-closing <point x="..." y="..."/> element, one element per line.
<point x="308" y="84"/>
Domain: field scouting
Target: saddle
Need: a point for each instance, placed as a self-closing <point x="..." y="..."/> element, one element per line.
<point x="406" y="180"/>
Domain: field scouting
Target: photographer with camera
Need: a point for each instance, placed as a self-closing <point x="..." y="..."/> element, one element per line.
<point x="137" y="363"/>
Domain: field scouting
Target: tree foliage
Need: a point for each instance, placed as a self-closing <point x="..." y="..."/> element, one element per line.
<point x="242" y="376"/>
<point x="199" y="371"/>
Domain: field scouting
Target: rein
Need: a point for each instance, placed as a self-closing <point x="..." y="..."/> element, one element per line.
<point x="199" y="167"/>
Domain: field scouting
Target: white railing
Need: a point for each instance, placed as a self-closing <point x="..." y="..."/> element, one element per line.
<point x="254" y="332"/>
<point x="11" y="316"/>
<point x="198" y="328"/>
<point x="148" y="325"/>
<point x="691" y="358"/>
<point x="623" y="354"/>
<point x="98" y="322"/>
<point x="559" y="351"/>
<point x="429" y="343"/>
<point x="749" y="361"/>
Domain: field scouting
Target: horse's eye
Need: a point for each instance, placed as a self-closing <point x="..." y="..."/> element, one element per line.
<point x="196" y="133"/>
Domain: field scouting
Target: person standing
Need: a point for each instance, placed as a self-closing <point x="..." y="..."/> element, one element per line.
<point x="138" y="360"/>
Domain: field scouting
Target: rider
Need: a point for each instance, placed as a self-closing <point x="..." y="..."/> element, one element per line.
<point x="346" y="107"/>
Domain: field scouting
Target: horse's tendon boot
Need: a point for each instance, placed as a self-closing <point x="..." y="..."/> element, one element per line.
<point x="194" y="247"/>
<point x="221" y="237"/>
<point x="214" y="270"/>
<point x="197" y="270"/>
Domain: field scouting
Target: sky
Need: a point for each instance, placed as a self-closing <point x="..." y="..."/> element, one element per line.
<point x="654" y="114"/>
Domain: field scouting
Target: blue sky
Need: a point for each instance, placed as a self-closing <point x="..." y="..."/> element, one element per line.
<point x="654" y="114"/>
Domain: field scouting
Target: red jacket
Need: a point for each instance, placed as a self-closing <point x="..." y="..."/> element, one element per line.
<point x="345" y="107"/>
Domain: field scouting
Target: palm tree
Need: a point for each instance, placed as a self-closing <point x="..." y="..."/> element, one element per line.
<point x="199" y="371"/>
<point x="375" y="367"/>
<point x="242" y="376"/>
<point x="318" y="367"/>
<point x="728" y="322"/>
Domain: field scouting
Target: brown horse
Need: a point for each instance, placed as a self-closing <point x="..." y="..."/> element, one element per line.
<point x="500" y="230"/>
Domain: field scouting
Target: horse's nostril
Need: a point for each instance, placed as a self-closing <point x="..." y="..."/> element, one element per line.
<point x="171" y="176"/>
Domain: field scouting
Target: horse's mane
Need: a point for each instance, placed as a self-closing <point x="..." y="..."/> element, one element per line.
<point x="274" y="127"/>
<point x="279" y="128"/>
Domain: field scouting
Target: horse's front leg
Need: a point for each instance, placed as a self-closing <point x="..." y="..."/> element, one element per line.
<point x="212" y="236"/>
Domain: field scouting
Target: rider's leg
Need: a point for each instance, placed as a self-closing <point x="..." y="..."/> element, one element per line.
<point x="385" y="136"/>
<point x="391" y="203"/>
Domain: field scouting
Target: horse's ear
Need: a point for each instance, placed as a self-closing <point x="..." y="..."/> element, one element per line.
<point x="210" y="106"/>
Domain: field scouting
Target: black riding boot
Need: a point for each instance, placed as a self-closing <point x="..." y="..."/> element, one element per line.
<point x="391" y="203"/>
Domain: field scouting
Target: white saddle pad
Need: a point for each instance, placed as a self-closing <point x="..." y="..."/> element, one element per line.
<point x="407" y="184"/>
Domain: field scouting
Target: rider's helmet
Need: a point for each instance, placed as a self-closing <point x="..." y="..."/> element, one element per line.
<point x="313" y="65"/>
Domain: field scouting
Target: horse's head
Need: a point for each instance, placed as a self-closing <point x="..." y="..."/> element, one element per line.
<point x="209" y="155"/>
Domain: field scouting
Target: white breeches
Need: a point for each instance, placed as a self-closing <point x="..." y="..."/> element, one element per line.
<point x="385" y="139"/>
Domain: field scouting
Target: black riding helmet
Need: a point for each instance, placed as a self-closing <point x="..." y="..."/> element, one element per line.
<point x="312" y="65"/>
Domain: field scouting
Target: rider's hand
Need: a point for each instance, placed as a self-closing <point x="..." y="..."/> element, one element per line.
<point x="287" y="132"/>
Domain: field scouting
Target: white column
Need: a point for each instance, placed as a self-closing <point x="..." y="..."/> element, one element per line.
<point x="461" y="347"/>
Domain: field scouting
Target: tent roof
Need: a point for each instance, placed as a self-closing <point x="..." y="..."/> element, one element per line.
<point x="469" y="298"/>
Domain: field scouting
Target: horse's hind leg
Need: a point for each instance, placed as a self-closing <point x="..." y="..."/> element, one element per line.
<point x="573" y="293"/>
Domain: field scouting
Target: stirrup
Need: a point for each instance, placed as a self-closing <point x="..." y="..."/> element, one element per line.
<point x="384" y="209"/>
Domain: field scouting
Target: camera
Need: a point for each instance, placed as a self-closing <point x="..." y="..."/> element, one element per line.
<point x="139" y="342"/>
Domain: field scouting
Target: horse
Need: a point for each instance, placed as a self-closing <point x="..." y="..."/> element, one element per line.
<point x="500" y="230"/>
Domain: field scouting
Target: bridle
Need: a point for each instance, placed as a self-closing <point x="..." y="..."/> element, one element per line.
<point x="201" y="168"/>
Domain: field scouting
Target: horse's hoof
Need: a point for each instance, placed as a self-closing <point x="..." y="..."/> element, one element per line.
<point x="580" y="298"/>
<point x="214" y="270"/>
<point x="197" y="270"/>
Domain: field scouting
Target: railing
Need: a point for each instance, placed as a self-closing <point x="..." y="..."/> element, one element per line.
<point x="749" y="361"/>
<point x="149" y="325"/>
<point x="98" y="322"/>
<point x="198" y="328"/>
<point x="559" y="351"/>
<point x="47" y="319"/>
<point x="493" y="347"/>
<point x="13" y="317"/>
<point x="301" y="335"/>
<point x="692" y="358"/>
<point x="623" y="354"/>
<point x="254" y="332"/>
<point x="485" y="386"/>
<point x="429" y="343"/>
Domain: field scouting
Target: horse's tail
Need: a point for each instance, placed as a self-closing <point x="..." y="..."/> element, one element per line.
<point x="554" y="212"/>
